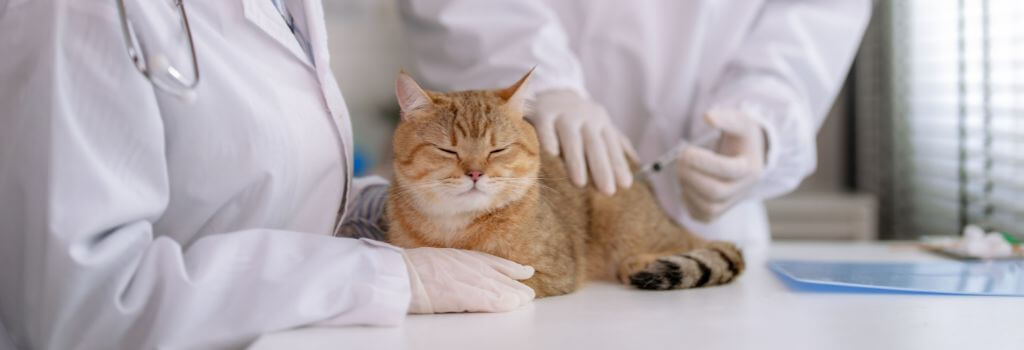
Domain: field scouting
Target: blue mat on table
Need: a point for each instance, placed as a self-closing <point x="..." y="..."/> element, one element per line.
<point x="996" y="278"/>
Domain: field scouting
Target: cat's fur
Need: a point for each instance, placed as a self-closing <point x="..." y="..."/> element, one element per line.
<point x="524" y="208"/>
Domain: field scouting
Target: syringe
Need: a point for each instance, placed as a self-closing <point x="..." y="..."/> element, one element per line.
<point x="667" y="158"/>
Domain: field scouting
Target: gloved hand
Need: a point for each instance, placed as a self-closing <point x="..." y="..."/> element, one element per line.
<point x="456" y="280"/>
<point x="712" y="181"/>
<point x="579" y="127"/>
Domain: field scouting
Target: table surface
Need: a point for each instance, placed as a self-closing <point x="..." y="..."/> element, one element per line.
<point x="757" y="311"/>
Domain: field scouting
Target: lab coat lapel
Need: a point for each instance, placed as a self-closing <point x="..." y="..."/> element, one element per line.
<point x="264" y="16"/>
<point x="321" y="56"/>
<point x="330" y="90"/>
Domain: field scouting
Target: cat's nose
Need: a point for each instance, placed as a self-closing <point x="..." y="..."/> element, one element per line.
<point x="475" y="174"/>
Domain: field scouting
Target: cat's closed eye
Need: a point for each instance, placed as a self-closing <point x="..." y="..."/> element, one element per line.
<point x="445" y="150"/>
<point x="499" y="150"/>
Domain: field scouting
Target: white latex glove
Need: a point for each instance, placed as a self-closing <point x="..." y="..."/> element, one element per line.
<point x="713" y="182"/>
<point x="585" y="134"/>
<point x="456" y="280"/>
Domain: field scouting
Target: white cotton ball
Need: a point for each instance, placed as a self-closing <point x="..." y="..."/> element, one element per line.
<point x="973" y="241"/>
<point x="997" y="246"/>
<point x="1002" y="251"/>
<point x="995" y="237"/>
<point x="972" y="232"/>
<point x="975" y="247"/>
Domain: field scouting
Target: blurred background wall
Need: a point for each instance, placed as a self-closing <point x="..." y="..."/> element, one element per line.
<point x="925" y="136"/>
<point x="367" y="50"/>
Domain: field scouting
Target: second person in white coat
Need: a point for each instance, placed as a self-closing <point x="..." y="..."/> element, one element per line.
<point x="609" y="74"/>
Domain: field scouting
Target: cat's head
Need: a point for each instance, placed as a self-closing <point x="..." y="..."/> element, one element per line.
<point x="463" y="152"/>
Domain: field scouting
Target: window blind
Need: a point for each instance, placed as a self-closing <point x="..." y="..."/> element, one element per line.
<point x="958" y="85"/>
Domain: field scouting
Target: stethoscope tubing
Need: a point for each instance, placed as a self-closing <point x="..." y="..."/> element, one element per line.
<point x="176" y="83"/>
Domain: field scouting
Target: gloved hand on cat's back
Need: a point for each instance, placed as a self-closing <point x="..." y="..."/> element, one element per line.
<point x="455" y="280"/>
<point x="715" y="180"/>
<point x="587" y="138"/>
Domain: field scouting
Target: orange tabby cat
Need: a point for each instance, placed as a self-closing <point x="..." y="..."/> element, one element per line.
<point x="469" y="174"/>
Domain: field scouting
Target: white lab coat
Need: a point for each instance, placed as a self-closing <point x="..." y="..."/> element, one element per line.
<point x="131" y="220"/>
<point x="658" y="66"/>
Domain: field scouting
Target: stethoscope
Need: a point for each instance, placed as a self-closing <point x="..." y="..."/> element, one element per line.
<point x="156" y="68"/>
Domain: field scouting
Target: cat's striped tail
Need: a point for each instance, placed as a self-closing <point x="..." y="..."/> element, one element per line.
<point x="712" y="264"/>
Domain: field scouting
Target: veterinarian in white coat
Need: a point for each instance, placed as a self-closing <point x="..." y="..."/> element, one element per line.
<point x="133" y="219"/>
<point x="609" y="72"/>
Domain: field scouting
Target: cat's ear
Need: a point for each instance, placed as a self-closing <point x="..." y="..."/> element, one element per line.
<point x="517" y="93"/>
<point x="410" y="95"/>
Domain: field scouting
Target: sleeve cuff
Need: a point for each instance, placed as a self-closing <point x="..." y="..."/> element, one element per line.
<point x="389" y="303"/>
